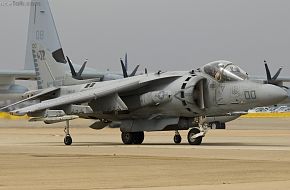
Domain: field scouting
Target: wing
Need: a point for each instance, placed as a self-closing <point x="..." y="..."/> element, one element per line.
<point x="100" y="90"/>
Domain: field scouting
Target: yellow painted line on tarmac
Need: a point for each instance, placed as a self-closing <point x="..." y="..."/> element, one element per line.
<point x="4" y="115"/>
<point x="267" y="115"/>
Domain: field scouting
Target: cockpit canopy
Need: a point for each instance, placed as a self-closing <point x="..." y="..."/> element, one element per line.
<point x="224" y="71"/>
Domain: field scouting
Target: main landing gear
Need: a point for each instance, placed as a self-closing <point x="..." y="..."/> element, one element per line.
<point x="217" y="125"/>
<point x="132" y="137"/>
<point x="67" y="139"/>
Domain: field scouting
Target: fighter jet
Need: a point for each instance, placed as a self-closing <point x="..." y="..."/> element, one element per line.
<point x="161" y="101"/>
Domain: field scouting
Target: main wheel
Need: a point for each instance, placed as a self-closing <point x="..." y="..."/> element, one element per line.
<point x="67" y="140"/>
<point x="218" y="125"/>
<point x="222" y="126"/>
<point x="194" y="140"/>
<point x="213" y="125"/>
<point x="138" y="137"/>
<point x="177" y="139"/>
<point x="127" y="137"/>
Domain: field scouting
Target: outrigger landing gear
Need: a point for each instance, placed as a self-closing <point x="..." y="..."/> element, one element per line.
<point x="177" y="138"/>
<point x="67" y="139"/>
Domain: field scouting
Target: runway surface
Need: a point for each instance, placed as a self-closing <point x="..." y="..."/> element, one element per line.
<point x="250" y="154"/>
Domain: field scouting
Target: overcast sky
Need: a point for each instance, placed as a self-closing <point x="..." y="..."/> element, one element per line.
<point x="159" y="34"/>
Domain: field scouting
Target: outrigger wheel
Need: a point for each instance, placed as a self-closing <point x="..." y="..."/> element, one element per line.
<point x="67" y="140"/>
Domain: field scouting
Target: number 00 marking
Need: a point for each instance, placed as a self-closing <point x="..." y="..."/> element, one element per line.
<point x="250" y="95"/>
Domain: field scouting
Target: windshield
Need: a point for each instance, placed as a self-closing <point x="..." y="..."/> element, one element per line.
<point x="225" y="71"/>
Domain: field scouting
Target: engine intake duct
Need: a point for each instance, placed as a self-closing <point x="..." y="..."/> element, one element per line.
<point x="193" y="94"/>
<point x="199" y="94"/>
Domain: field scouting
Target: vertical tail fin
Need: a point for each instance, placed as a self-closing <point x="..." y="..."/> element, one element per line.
<point x="43" y="50"/>
<point x="49" y="73"/>
<point x="42" y="30"/>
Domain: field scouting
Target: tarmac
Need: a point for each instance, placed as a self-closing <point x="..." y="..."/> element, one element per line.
<point x="252" y="153"/>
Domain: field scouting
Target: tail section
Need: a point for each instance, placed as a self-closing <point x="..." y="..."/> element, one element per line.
<point x="42" y="30"/>
<point x="49" y="73"/>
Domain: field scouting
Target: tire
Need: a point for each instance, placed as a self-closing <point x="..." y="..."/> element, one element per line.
<point x="177" y="139"/>
<point x="218" y="125"/>
<point x="127" y="137"/>
<point x="67" y="140"/>
<point x="138" y="137"/>
<point x="222" y="126"/>
<point x="213" y="125"/>
<point x="194" y="141"/>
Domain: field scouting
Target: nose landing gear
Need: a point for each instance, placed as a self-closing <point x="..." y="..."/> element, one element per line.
<point x="195" y="136"/>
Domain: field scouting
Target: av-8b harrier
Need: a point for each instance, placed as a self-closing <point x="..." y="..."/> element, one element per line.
<point x="162" y="101"/>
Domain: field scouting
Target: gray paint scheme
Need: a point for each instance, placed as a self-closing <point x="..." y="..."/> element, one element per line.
<point x="50" y="29"/>
<point x="176" y="100"/>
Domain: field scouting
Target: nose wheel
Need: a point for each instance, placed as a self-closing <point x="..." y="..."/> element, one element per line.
<point x="67" y="139"/>
<point x="195" y="136"/>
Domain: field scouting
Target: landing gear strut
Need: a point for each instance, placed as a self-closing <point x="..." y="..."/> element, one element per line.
<point x="132" y="137"/>
<point x="67" y="139"/>
<point x="196" y="134"/>
<point x="177" y="138"/>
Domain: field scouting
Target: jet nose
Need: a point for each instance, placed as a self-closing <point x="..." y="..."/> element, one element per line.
<point x="271" y="94"/>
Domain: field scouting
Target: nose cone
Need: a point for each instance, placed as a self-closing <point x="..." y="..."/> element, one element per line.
<point x="271" y="94"/>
